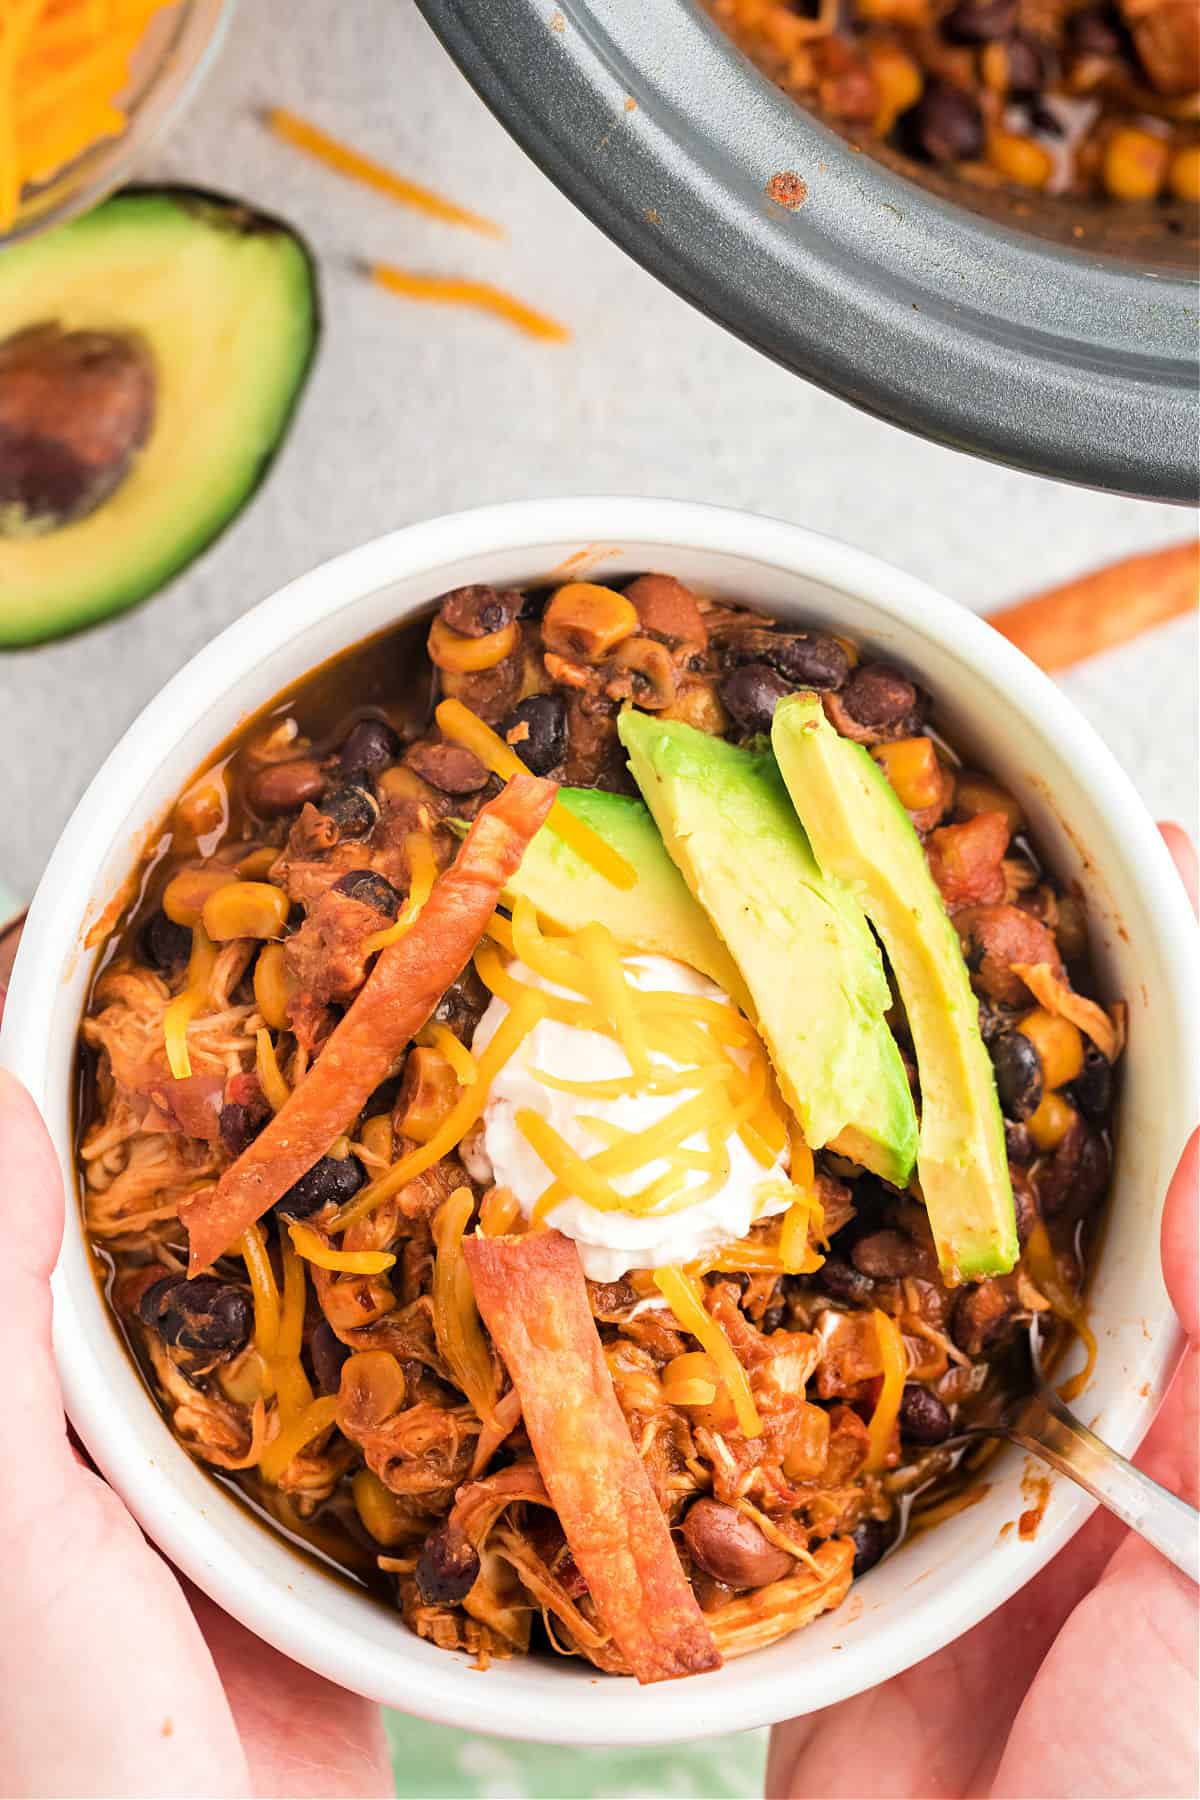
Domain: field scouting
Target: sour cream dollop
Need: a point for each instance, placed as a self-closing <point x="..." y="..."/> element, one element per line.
<point x="612" y="1242"/>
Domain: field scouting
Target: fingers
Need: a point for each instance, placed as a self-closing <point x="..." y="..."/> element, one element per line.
<point x="302" y="1735"/>
<point x="1179" y="1240"/>
<point x="33" y="1196"/>
<point x="1183" y="854"/>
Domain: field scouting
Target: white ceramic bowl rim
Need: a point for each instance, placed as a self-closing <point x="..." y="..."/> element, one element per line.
<point x="274" y="1597"/>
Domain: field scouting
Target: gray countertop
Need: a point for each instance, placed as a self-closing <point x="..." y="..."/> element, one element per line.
<point x="414" y="410"/>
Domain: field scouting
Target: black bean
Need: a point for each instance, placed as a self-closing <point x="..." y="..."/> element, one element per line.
<point x="370" y="889"/>
<point x="772" y="1319"/>
<point x="993" y="1019"/>
<point x="876" y="695"/>
<point x="479" y="610"/>
<point x="1092" y="1089"/>
<point x="368" y="747"/>
<point x="923" y="1418"/>
<point x="1094" y="32"/>
<point x="330" y="1182"/>
<point x="1018" y="1144"/>
<point x="1045" y="120"/>
<point x="871" y="1539"/>
<point x="206" y="1314"/>
<point x="886" y="1255"/>
<point x="447" y="1566"/>
<point x="165" y="945"/>
<point x="328" y="1354"/>
<point x="979" y="21"/>
<point x="1018" y="1070"/>
<point x="546" y="744"/>
<point x="150" y="1306"/>
<point x="806" y="659"/>
<point x="239" y="1126"/>
<point x="845" y="1282"/>
<point x="945" y="125"/>
<point x="352" y="808"/>
<point x="751" y="694"/>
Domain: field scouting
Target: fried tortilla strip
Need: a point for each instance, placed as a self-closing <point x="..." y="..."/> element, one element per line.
<point x="531" y="1293"/>
<point x="409" y="978"/>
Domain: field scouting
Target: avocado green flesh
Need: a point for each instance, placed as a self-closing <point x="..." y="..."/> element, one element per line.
<point x="226" y="302"/>
<point x="862" y="835"/>
<point x="657" y="915"/>
<point x="812" y="967"/>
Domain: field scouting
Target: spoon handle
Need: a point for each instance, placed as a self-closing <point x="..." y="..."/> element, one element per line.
<point x="1170" y="1524"/>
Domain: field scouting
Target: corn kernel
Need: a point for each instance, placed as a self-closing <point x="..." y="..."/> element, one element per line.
<point x="377" y="1137"/>
<point x="898" y="81"/>
<point x="585" y="622"/>
<point x="204" y="807"/>
<point x="384" y="1515"/>
<point x="974" y="794"/>
<point x="1135" y="164"/>
<point x="188" y="890"/>
<point x="252" y="909"/>
<point x="698" y="703"/>
<point x="912" y="767"/>
<point x="1051" y="1122"/>
<point x="690" y="1380"/>
<point x="1020" y="159"/>
<point x="1184" y="177"/>
<point x="808" y="1443"/>
<point x="427" y="1093"/>
<point x="1058" y="1043"/>
<point x="271" y="987"/>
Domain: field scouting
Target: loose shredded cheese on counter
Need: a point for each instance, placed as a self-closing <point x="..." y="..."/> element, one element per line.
<point x="683" y="1298"/>
<point x="454" y="290"/>
<point x="303" y="135"/>
<point x="461" y="725"/>
<point x="183" y="1009"/>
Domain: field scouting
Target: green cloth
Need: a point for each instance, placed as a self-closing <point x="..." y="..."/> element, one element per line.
<point x="435" y="1762"/>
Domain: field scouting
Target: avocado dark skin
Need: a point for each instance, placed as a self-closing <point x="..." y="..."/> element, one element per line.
<point x="75" y="409"/>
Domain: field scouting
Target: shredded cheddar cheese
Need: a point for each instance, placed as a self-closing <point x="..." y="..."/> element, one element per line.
<point x="270" y="1076"/>
<point x="456" y="1323"/>
<point x="442" y="1039"/>
<point x="316" y="1417"/>
<point x="312" y="1247"/>
<point x="461" y="725"/>
<point x="887" y="1407"/>
<point x="423" y="873"/>
<point x="344" y="160"/>
<point x="1038" y="1257"/>
<point x="683" y="1297"/>
<point x="262" y="1286"/>
<point x="183" y="1009"/>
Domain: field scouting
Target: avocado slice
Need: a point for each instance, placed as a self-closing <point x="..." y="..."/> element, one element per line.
<point x="812" y="967"/>
<point x="862" y="835"/>
<point x="151" y="354"/>
<point x="656" y="915"/>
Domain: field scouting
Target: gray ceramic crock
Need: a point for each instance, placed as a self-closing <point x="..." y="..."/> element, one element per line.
<point x="1006" y="335"/>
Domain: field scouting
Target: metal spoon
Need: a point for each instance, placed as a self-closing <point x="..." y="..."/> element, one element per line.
<point x="1042" y="1424"/>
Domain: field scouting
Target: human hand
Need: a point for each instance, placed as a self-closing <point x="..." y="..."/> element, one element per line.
<point x="1084" y="1683"/>
<point x="116" y="1678"/>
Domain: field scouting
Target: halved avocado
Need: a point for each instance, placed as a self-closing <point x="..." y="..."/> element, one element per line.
<point x="151" y="356"/>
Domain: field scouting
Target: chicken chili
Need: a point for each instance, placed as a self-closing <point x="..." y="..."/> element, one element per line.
<point x="533" y="1158"/>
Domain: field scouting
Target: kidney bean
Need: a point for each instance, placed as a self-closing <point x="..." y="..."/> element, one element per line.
<point x="1018" y="1071"/>
<point x="1092" y="1091"/>
<point x="731" y="1548"/>
<point x="751" y="694"/>
<point x="450" y="767"/>
<point x="283" y="787"/>
<point x="370" y="889"/>
<point x="353" y="809"/>
<point x="1024" y="1203"/>
<point x="1030" y="66"/>
<point x="871" y="1539"/>
<point x="1094" y="32"/>
<point x="994" y="936"/>
<point x="979" y="21"/>
<point x="367" y="748"/>
<point x="885" y="1255"/>
<point x="239" y="1126"/>
<point x="1018" y="1144"/>
<point x="945" y="125"/>
<point x="165" y="945"/>
<point x="923" y="1418"/>
<point x="670" y="612"/>
<point x="544" y="744"/>
<point x="447" y="1566"/>
<point x="982" y="1315"/>
<point x="330" y="1182"/>
<point x="328" y="1354"/>
<point x="876" y="695"/>
<point x="479" y="610"/>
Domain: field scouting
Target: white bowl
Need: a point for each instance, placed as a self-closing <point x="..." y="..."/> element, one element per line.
<point x="1083" y="809"/>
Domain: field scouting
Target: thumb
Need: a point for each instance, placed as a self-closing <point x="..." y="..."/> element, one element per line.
<point x="32" y="1185"/>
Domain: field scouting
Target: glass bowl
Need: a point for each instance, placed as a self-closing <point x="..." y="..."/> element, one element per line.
<point x="176" y="52"/>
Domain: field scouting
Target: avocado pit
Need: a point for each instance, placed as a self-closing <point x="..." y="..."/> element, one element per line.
<point x="75" y="409"/>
